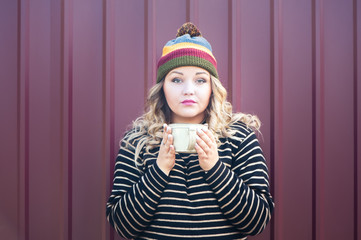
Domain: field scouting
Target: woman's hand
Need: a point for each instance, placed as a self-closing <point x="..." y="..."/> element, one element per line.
<point x="166" y="155"/>
<point x="206" y="148"/>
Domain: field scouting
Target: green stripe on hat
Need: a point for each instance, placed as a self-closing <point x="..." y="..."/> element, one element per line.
<point x="185" y="61"/>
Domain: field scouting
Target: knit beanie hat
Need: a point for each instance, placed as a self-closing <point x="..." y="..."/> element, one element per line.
<point x="189" y="48"/>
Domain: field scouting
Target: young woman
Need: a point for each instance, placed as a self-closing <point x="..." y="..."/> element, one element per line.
<point x="220" y="192"/>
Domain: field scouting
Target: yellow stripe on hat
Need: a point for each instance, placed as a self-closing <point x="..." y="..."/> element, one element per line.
<point x="168" y="49"/>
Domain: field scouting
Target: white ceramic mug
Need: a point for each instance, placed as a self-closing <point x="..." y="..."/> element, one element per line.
<point x="184" y="136"/>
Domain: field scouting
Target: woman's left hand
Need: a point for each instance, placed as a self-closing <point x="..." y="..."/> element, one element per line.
<point x="206" y="148"/>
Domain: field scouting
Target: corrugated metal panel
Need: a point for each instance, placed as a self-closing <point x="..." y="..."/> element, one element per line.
<point x="75" y="73"/>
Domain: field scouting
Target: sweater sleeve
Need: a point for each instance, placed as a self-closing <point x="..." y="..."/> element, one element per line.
<point x="243" y="191"/>
<point x="135" y="195"/>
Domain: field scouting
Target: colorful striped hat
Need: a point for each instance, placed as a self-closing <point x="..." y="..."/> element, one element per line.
<point x="189" y="48"/>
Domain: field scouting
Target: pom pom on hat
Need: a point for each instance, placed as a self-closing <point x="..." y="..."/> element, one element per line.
<point x="189" y="28"/>
<point x="189" y="48"/>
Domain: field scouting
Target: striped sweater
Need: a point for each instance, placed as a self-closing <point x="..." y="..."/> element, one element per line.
<point x="230" y="201"/>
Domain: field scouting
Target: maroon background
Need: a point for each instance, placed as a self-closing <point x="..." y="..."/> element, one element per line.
<point x="75" y="73"/>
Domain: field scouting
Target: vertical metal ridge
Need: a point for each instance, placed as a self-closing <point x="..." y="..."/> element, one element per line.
<point x="104" y="114"/>
<point x="355" y="112"/>
<point x="320" y="133"/>
<point x="70" y="119"/>
<point x="18" y="124"/>
<point x="112" y="85"/>
<point x="272" y="112"/>
<point x="111" y="127"/>
<point x="196" y="12"/>
<point x="145" y="49"/>
<point x="193" y="9"/>
<point x="230" y="51"/>
<point x="23" y="38"/>
<point x="314" y="186"/>
<point x="279" y="103"/>
<point x="149" y="46"/>
<point x="62" y="127"/>
<point x="322" y="104"/>
<point x="27" y="114"/>
<point x="154" y="46"/>
<point x="188" y="17"/>
<point x="234" y="66"/>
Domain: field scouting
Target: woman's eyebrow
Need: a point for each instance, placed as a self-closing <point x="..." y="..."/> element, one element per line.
<point x="176" y="72"/>
<point x="201" y="73"/>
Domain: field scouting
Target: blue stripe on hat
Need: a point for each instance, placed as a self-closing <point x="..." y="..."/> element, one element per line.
<point x="187" y="38"/>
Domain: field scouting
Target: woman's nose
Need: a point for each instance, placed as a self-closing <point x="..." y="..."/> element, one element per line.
<point x="188" y="88"/>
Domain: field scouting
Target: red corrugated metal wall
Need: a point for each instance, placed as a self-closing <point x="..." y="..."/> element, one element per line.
<point x="74" y="74"/>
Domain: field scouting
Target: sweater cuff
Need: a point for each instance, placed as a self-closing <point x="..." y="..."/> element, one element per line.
<point x="153" y="184"/>
<point x="216" y="175"/>
<point x="161" y="179"/>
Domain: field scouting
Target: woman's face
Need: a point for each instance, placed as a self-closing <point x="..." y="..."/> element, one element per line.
<point x="187" y="91"/>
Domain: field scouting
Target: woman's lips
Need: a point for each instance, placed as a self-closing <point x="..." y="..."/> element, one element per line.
<point x="188" y="102"/>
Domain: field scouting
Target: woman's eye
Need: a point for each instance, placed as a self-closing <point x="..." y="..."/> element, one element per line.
<point x="201" y="80"/>
<point x="176" y="80"/>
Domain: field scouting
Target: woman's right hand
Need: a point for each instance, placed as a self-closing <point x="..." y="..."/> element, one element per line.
<point x="166" y="155"/>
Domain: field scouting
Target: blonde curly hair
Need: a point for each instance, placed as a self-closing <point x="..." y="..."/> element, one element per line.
<point x="148" y="129"/>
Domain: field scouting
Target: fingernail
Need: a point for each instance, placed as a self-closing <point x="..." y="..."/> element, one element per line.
<point x="197" y="137"/>
<point x="199" y="130"/>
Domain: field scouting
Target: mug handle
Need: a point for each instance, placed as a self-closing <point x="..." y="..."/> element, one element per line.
<point x="192" y="139"/>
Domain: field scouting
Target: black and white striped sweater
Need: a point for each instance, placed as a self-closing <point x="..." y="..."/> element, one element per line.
<point x="230" y="201"/>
